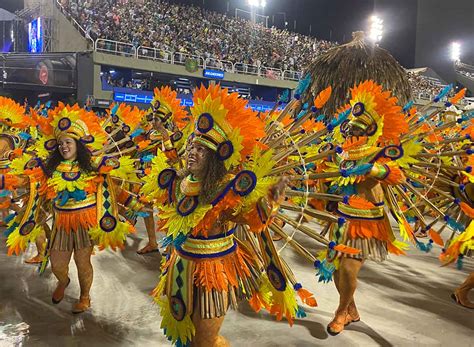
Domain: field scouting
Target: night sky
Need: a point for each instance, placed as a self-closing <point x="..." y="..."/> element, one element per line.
<point x="336" y="20"/>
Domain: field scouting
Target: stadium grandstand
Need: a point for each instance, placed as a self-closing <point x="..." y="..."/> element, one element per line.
<point x="267" y="173"/>
<point x="136" y="46"/>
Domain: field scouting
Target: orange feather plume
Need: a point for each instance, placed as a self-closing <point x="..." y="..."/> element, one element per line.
<point x="322" y="98"/>
<point x="468" y="210"/>
<point x="459" y="95"/>
<point x="436" y="238"/>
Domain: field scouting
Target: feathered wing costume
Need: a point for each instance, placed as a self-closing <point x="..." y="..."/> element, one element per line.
<point x="209" y="268"/>
<point x="80" y="200"/>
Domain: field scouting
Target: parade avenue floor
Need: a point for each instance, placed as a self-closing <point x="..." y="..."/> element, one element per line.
<point x="403" y="302"/>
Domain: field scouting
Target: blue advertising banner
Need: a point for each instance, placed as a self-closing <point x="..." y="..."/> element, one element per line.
<point x="214" y="74"/>
<point x="142" y="97"/>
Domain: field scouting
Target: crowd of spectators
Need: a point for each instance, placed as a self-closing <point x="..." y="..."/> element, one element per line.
<point x="122" y="82"/>
<point x="424" y="86"/>
<point x="192" y="30"/>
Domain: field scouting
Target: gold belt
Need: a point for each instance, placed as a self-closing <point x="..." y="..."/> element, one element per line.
<point x="351" y="212"/>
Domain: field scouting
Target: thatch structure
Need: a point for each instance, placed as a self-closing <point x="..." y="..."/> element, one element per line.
<point x="344" y="66"/>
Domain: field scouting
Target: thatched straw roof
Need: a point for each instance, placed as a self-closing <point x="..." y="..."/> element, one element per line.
<point x="344" y="66"/>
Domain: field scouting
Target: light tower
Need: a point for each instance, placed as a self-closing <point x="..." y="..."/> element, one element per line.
<point x="376" y="29"/>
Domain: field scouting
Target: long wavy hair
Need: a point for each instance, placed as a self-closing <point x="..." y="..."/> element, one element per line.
<point x="83" y="158"/>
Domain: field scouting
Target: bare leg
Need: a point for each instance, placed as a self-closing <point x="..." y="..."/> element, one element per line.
<point x="461" y="294"/>
<point x="82" y="258"/>
<point x="207" y="332"/>
<point x="152" y="244"/>
<point x="346" y="284"/>
<point x="60" y="266"/>
<point x="40" y="247"/>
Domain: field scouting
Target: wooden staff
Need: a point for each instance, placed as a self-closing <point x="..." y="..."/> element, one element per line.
<point x="417" y="193"/>
<point x="307" y="231"/>
<point x="313" y="195"/>
<point x="300" y="249"/>
<point x="432" y="187"/>
<point x="289" y="166"/>
<point x="315" y="176"/>
<point x="407" y="201"/>
<point x="300" y="121"/>
<point x="442" y="154"/>
<point x="440" y="166"/>
<point x="311" y="212"/>
<point x="434" y="177"/>
<point x="271" y="127"/>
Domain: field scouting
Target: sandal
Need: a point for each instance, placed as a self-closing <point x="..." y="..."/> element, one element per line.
<point x="37" y="259"/>
<point x="338" y="323"/>
<point x="456" y="299"/>
<point x="58" y="294"/>
<point x="147" y="250"/>
<point x="82" y="305"/>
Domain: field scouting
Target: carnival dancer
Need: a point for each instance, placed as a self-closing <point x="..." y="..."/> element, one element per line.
<point x="15" y="126"/>
<point x="225" y="183"/>
<point x="167" y="126"/>
<point x="83" y="195"/>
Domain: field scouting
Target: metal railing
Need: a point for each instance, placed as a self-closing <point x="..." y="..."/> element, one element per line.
<point x="164" y="56"/>
<point x="115" y="47"/>
<point x="182" y="58"/>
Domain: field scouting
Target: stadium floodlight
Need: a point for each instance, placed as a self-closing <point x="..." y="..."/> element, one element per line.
<point x="257" y="3"/>
<point x="376" y="29"/>
<point x="456" y="51"/>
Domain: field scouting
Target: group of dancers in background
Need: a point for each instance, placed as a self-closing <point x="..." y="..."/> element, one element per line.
<point x="226" y="182"/>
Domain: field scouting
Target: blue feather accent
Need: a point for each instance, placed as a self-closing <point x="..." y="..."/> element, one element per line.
<point x="424" y="247"/>
<point x="455" y="225"/>
<point x="341" y="117"/>
<point x="301" y="114"/>
<point x="285" y="96"/>
<point x="114" y="109"/>
<point x="359" y="170"/>
<point x="443" y="93"/>
<point x="303" y="85"/>
<point x="147" y="158"/>
<point x="142" y="214"/>
<point x="320" y="118"/>
<point x="10" y="229"/>
<point x="9" y="218"/>
<point x="24" y="136"/>
<point x="136" y="132"/>
<point x="300" y="313"/>
<point x="178" y="241"/>
<point x="325" y="271"/>
<point x="349" y="190"/>
<point x="408" y="106"/>
<point x="459" y="262"/>
<point x="4" y="193"/>
<point x="48" y="104"/>
<point x="78" y="195"/>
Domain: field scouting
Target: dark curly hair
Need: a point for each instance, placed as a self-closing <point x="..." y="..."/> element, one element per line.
<point x="83" y="158"/>
<point x="213" y="172"/>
